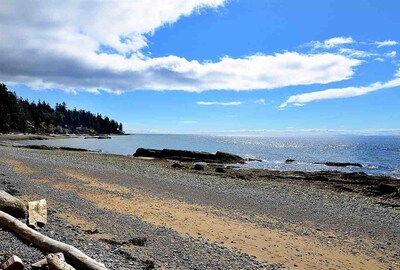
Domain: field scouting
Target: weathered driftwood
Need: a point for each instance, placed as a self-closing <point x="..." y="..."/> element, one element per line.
<point x="53" y="262"/>
<point x="13" y="263"/>
<point x="12" y="205"/>
<point x="57" y="262"/>
<point x="39" y="265"/>
<point x="37" y="213"/>
<point x="74" y="256"/>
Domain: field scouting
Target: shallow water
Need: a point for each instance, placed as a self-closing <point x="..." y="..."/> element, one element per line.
<point x="379" y="154"/>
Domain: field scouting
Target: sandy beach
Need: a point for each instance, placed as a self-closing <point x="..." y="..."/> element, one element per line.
<point x="197" y="220"/>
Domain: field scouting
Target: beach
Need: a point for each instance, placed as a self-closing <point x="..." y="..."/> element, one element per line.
<point x="197" y="219"/>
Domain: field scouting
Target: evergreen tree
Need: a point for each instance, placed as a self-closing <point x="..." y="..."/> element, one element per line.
<point x="18" y="115"/>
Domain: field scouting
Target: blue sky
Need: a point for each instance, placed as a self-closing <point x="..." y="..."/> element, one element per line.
<point x="266" y="67"/>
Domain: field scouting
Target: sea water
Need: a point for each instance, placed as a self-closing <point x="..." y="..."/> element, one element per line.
<point x="379" y="155"/>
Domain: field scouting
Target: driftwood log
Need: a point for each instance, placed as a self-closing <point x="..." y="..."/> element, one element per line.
<point x="77" y="258"/>
<point x="12" y="205"/>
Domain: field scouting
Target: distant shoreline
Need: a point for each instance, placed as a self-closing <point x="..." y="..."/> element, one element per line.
<point x="42" y="137"/>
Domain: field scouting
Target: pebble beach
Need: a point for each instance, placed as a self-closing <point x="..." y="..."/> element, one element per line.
<point x="101" y="203"/>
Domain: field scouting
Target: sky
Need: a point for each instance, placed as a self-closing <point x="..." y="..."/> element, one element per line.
<point x="248" y="67"/>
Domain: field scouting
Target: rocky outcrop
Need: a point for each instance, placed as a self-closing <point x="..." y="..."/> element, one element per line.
<point x="45" y="147"/>
<point x="189" y="156"/>
<point x="383" y="189"/>
<point x="341" y="164"/>
<point x="11" y="205"/>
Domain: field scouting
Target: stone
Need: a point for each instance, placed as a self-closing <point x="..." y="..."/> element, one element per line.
<point x="384" y="189"/>
<point x="12" y="205"/>
<point x="138" y="241"/>
<point x="176" y="165"/>
<point x="220" y="170"/>
<point x="199" y="167"/>
<point x="341" y="164"/>
<point x="13" y="263"/>
<point x="37" y="213"/>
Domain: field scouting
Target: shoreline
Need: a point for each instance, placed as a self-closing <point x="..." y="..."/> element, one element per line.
<point x="286" y="212"/>
<point x="278" y="160"/>
<point x="381" y="187"/>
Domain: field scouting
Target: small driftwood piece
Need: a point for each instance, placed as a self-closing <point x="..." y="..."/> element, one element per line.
<point x="37" y="213"/>
<point x="76" y="257"/>
<point x="57" y="262"/>
<point x="13" y="263"/>
<point x="39" y="265"/>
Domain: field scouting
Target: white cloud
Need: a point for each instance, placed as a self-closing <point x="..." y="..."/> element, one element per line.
<point x="235" y="103"/>
<point x="260" y="101"/>
<point x="386" y="43"/>
<point x="332" y="42"/>
<point x="356" y="53"/>
<point x="87" y="46"/>
<point x="335" y="93"/>
<point x="392" y="54"/>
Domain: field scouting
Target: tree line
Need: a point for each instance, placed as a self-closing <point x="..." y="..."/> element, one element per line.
<point x="20" y="115"/>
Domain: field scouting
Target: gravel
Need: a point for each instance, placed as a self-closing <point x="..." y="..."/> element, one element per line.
<point x="164" y="247"/>
<point x="348" y="215"/>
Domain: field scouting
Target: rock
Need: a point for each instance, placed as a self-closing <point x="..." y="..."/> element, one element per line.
<point x="98" y="137"/>
<point x="341" y="164"/>
<point x="12" y="205"/>
<point x="229" y="158"/>
<point x="13" y="263"/>
<point x="37" y="213"/>
<point x="318" y="178"/>
<point x="343" y="188"/>
<point x="199" y="167"/>
<point x="253" y="159"/>
<point x="243" y="176"/>
<point x="148" y="264"/>
<point x="39" y="147"/>
<point x="176" y="165"/>
<point x="290" y="161"/>
<point x="73" y="149"/>
<point x="357" y="176"/>
<point x="220" y="170"/>
<point x="138" y="241"/>
<point x="189" y="156"/>
<point x="103" y="137"/>
<point x="143" y="152"/>
<point x="384" y="189"/>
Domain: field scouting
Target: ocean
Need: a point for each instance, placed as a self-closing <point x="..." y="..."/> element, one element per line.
<point x="380" y="155"/>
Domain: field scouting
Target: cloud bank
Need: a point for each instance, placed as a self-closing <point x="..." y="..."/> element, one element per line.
<point x="334" y="93"/>
<point x="79" y="45"/>
<point x="386" y="43"/>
